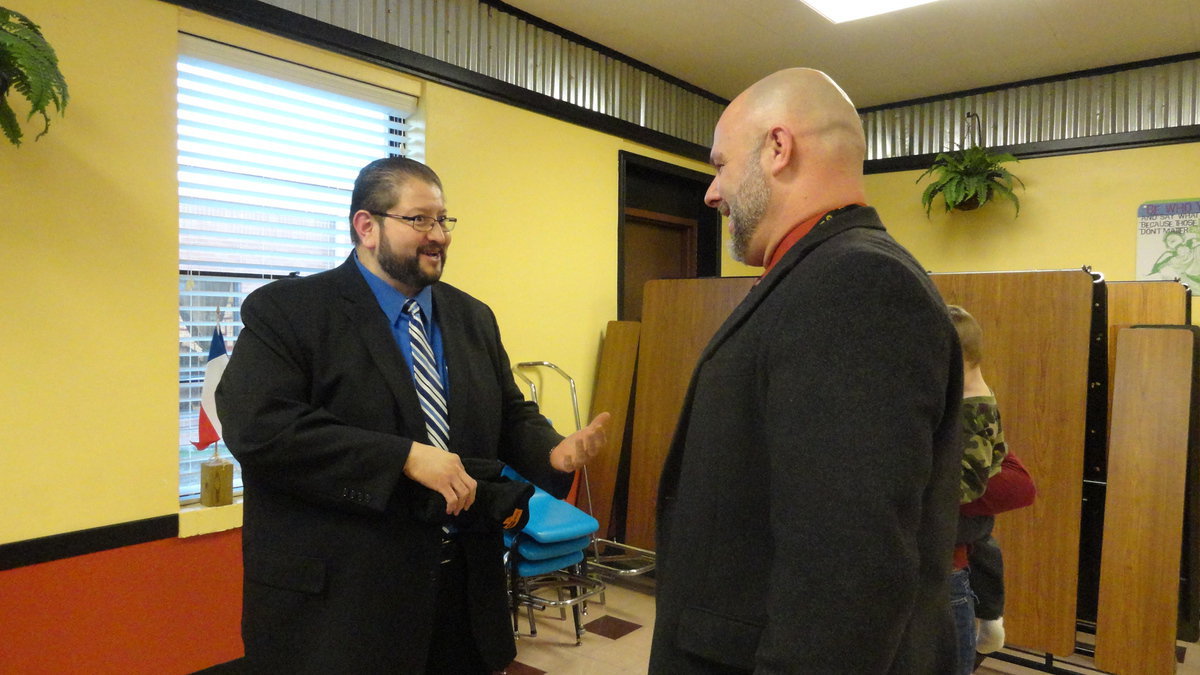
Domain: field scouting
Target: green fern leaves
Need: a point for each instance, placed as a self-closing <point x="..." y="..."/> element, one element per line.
<point x="29" y="65"/>
<point x="969" y="178"/>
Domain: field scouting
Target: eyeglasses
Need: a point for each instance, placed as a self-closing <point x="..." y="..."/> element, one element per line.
<point x="421" y="223"/>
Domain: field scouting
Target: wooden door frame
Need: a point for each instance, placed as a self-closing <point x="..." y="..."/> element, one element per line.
<point x="626" y="160"/>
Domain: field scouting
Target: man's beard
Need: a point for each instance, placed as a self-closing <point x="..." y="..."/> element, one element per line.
<point x="407" y="269"/>
<point x="747" y="208"/>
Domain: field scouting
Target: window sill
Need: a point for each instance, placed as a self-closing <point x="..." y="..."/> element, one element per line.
<point x="195" y="519"/>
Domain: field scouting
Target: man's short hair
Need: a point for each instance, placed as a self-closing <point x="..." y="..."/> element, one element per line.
<point x="378" y="183"/>
<point x="970" y="335"/>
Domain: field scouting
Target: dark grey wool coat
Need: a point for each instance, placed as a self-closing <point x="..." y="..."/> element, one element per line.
<point x="808" y="503"/>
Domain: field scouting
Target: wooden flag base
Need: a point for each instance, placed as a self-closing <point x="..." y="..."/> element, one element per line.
<point x="216" y="482"/>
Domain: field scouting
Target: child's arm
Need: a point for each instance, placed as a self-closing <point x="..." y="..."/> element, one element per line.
<point x="976" y="465"/>
<point x="1010" y="489"/>
<point x="983" y="445"/>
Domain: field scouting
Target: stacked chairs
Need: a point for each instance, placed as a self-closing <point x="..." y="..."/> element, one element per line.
<point x="546" y="560"/>
<point x="608" y="557"/>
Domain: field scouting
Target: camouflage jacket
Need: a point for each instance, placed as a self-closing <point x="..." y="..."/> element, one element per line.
<point x="983" y="445"/>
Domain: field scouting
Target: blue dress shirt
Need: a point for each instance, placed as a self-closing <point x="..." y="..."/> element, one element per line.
<point x="391" y="301"/>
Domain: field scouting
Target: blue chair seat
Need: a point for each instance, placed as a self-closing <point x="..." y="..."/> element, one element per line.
<point x="533" y="550"/>
<point x="553" y="520"/>
<point x="536" y="568"/>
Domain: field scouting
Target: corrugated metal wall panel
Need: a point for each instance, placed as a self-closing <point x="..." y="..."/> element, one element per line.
<point x="1142" y="99"/>
<point x="486" y="40"/>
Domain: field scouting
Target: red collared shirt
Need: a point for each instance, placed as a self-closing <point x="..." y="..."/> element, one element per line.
<point x="797" y="233"/>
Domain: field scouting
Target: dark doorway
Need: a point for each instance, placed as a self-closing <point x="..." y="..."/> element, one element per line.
<point x="657" y="246"/>
<point x="666" y="231"/>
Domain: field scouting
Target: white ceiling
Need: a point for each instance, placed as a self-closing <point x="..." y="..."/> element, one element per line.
<point x="947" y="46"/>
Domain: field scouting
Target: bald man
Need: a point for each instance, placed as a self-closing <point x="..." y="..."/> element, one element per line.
<point x="807" y="508"/>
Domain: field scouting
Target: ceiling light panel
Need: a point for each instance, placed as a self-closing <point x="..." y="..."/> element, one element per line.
<point x="841" y="11"/>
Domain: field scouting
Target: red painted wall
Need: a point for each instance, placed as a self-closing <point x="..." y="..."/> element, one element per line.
<point x="164" y="607"/>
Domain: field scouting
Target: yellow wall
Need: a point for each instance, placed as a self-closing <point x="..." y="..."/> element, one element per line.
<point x="89" y="245"/>
<point x="88" y="273"/>
<point x="537" y="202"/>
<point x="88" y="252"/>
<point x="1075" y="210"/>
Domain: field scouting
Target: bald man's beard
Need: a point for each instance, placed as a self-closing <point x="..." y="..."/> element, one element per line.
<point x="746" y="210"/>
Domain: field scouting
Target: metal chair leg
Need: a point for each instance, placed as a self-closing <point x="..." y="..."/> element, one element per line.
<point x="575" y="613"/>
<point x="514" y="599"/>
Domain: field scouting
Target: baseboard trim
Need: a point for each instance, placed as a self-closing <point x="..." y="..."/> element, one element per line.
<point x="83" y="542"/>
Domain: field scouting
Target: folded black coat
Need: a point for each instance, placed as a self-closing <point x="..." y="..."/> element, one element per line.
<point x="498" y="500"/>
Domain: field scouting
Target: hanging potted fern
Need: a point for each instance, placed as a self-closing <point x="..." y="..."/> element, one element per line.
<point x="969" y="178"/>
<point x="28" y="65"/>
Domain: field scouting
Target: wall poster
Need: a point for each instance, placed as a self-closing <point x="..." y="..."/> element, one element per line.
<point x="1168" y="241"/>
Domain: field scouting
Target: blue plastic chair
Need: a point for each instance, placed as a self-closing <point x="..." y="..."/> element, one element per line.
<point x="547" y="555"/>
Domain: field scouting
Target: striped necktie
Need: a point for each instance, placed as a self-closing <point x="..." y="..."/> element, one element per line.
<point x="427" y="378"/>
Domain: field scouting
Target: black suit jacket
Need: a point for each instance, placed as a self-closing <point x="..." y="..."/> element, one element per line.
<point x="808" y="502"/>
<point x="318" y="406"/>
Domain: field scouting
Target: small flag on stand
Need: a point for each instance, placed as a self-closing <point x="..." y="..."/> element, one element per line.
<point x="210" y="425"/>
<point x="216" y="474"/>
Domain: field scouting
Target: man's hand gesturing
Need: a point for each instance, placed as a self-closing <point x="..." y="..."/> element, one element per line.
<point x="577" y="449"/>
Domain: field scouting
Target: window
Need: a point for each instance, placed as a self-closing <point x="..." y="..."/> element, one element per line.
<point x="268" y="153"/>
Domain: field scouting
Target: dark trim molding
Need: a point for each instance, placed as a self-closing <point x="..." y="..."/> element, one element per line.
<point x="1038" y="80"/>
<point x="234" y="667"/>
<point x="82" y="542"/>
<point x="268" y="18"/>
<point x="271" y="19"/>
<point x="607" y="51"/>
<point x="627" y="160"/>
<point x="1073" y="146"/>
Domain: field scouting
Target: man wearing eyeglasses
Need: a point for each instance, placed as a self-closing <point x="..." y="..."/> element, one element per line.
<point x="353" y="399"/>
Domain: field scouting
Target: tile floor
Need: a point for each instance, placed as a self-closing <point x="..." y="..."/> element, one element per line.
<point x="617" y="641"/>
<point x="619" y="632"/>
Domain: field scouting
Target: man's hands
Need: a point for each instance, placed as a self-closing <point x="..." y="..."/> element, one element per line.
<point x="442" y="472"/>
<point x="575" y="450"/>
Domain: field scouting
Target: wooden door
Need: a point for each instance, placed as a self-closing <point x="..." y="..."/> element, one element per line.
<point x="656" y="246"/>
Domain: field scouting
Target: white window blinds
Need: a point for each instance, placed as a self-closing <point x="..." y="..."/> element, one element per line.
<point x="268" y="153"/>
